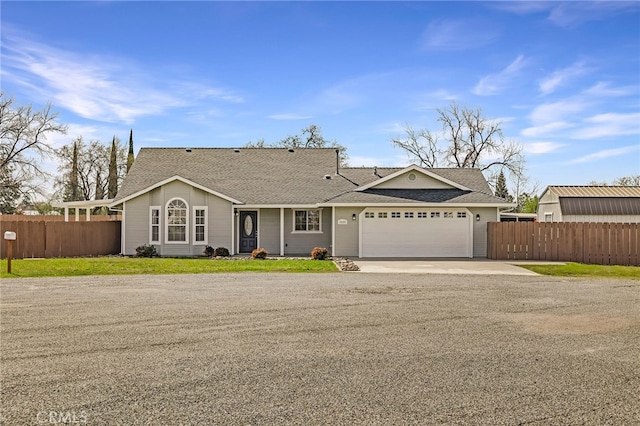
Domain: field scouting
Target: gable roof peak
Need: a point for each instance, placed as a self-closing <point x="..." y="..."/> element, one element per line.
<point x="413" y="168"/>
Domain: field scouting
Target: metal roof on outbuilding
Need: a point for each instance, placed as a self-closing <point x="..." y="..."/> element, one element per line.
<point x="600" y="205"/>
<point x="594" y="191"/>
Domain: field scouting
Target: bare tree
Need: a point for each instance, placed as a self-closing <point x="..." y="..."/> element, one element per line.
<point x="310" y="137"/>
<point x="422" y="145"/>
<point x="627" y="181"/>
<point x="23" y="144"/>
<point x="633" y="180"/>
<point x="469" y="140"/>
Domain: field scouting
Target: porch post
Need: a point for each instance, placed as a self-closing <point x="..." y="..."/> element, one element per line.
<point x="333" y="231"/>
<point x="66" y="214"/>
<point x="233" y="230"/>
<point x="281" y="231"/>
<point x="87" y="214"/>
<point x="77" y="214"/>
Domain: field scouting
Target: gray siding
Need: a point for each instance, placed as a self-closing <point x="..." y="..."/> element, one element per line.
<point x="346" y="235"/>
<point x="269" y="230"/>
<point x="220" y="217"/>
<point x="488" y="214"/>
<point x="421" y="181"/>
<point x="301" y="243"/>
<point x="136" y="223"/>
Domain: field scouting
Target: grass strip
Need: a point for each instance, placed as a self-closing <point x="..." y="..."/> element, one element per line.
<point x="582" y="270"/>
<point x="67" y="267"/>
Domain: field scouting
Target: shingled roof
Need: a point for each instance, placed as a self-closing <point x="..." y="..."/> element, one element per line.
<point x="277" y="176"/>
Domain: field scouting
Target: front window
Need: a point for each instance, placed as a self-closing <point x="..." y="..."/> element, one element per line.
<point x="154" y="224"/>
<point x="307" y="220"/>
<point x="176" y="221"/>
<point x="200" y="225"/>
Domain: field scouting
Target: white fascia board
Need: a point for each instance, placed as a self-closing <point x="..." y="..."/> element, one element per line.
<point x="183" y="180"/>
<point x="427" y="205"/>
<point x="278" y="206"/>
<point x="412" y="168"/>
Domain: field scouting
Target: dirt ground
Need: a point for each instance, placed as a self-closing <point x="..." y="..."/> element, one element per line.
<point x="338" y="348"/>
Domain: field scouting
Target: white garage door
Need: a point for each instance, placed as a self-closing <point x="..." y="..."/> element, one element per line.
<point x="416" y="233"/>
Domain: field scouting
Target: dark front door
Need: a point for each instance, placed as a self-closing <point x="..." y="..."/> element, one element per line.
<point x="248" y="231"/>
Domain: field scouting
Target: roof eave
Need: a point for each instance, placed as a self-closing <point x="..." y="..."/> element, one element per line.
<point x="117" y="201"/>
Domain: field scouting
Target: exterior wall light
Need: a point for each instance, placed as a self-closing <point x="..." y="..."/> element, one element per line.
<point x="353" y="216"/>
<point x="478" y="217"/>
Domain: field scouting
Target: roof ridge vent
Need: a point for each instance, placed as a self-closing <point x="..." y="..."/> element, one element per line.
<point x="236" y="150"/>
<point x="291" y="150"/>
<point x="188" y="150"/>
<point x="327" y="177"/>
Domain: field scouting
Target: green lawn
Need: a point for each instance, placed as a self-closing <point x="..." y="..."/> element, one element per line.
<point x="125" y="265"/>
<point x="582" y="270"/>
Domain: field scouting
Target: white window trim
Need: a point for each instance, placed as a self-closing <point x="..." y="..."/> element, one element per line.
<point x="166" y="224"/>
<point x="206" y="225"/>
<point x="151" y="225"/>
<point x="295" y="231"/>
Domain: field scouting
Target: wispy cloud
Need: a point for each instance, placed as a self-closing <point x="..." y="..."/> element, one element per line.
<point x="541" y="147"/>
<point x="607" y="153"/>
<point x="545" y="129"/>
<point x="609" y="125"/>
<point x="555" y="112"/>
<point x="289" y="116"/>
<point x="459" y="34"/>
<point x="604" y="89"/>
<point x="566" y="14"/>
<point x="560" y="77"/>
<point x="98" y="87"/>
<point x="493" y="84"/>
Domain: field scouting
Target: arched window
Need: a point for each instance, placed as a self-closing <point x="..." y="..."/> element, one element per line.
<point x="177" y="221"/>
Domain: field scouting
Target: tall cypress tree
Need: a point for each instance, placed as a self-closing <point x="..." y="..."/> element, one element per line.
<point x="74" y="188"/>
<point x="112" y="179"/>
<point x="130" y="155"/>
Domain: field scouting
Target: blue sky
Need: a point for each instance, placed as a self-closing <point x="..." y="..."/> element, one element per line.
<point x="563" y="77"/>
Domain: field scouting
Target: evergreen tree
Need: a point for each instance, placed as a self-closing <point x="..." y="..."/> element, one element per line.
<point x="501" y="187"/>
<point x="73" y="188"/>
<point x="130" y="155"/>
<point x="112" y="179"/>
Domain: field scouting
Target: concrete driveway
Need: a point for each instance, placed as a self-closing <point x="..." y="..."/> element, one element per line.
<point x="441" y="266"/>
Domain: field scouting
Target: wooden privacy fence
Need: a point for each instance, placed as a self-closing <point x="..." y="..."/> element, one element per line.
<point x="61" y="239"/>
<point x="596" y="243"/>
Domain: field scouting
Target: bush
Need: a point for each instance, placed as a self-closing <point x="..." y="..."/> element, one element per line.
<point x="146" y="250"/>
<point x="216" y="252"/>
<point x="259" y="253"/>
<point x="221" y="252"/>
<point x="319" y="253"/>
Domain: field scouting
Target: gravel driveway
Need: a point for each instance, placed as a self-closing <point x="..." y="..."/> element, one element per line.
<point x="309" y="349"/>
